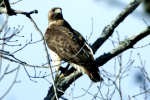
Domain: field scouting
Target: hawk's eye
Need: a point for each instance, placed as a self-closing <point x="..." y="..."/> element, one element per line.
<point x="53" y="10"/>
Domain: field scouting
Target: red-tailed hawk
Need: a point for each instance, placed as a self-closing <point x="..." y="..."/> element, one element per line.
<point x="68" y="45"/>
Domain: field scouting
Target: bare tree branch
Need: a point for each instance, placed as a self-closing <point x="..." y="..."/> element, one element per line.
<point x="13" y="83"/>
<point x="108" y="30"/>
<point x="2" y="76"/>
<point x="126" y="44"/>
<point x="4" y="54"/>
<point x="8" y="10"/>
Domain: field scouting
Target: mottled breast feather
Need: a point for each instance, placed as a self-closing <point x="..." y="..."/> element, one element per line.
<point x="68" y="43"/>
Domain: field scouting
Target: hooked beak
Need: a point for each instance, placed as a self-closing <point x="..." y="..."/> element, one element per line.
<point x="58" y="11"/>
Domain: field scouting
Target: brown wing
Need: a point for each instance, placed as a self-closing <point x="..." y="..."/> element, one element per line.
<point x="68" y="44"/>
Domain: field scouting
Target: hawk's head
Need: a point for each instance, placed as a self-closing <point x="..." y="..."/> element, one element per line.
<point x="55" y="14"/>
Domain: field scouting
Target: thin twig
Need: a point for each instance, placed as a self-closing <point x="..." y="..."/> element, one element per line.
<point x="2" y="28"/>
<point x="47" y="55"/>
<point x="2" y="76"/>
<point x="22" y="63"/>
<point x="141" y="93"/>
<point x="11" y="86"/>
<point x="13" y="3"/>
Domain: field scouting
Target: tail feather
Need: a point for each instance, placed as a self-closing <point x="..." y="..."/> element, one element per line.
<point x="93" y="74"/>
<point x="90" y="69"/>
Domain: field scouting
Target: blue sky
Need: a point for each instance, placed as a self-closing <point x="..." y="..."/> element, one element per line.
<point x="79" y="13"/>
